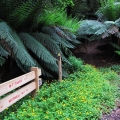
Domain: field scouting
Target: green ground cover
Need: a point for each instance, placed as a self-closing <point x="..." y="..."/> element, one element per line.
<point x="84" y="95"/>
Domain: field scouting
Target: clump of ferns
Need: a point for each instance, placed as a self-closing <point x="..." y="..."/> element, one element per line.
<point x="98" y="30"/>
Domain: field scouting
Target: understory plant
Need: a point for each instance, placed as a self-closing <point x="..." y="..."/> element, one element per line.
<point x="97" y="30"/>
<point x="109" y="10"/>
<point x="85" y="94"/>
<point x="92" y="29"/>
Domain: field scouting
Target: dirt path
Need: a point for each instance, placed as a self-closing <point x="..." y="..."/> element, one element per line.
<point x="99" y="54"/>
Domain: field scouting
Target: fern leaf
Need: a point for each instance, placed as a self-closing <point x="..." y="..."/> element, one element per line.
<point x="21" y="13"/>
<point x="105" y="34"/>
<point x="37" y="48"/>
<point x="50" y="44"/>
<point x="63" y="43"/>
<point x="71" y="36"/>
<point x="17" y="49"/>
<point x="50" y="31"/>
<point x="113" y="29"/>
<point x="61" y="33"/>
<point x="89" y="27"/>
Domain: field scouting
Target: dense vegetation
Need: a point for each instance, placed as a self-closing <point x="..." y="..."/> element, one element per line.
<point x="33" y="33"/>
<point x="85" y="94"/>
<point x="106" y="26"/>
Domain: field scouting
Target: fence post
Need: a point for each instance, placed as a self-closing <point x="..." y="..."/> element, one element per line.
<point x="35" y="69"/>
<point x="59" y="67"/>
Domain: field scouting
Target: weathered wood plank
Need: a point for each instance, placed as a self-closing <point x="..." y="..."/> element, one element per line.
<point x="14" y="97"/>
<point x="16" y="82"/>
<point x="59" y="67"/>
<point x="37" y="72"/>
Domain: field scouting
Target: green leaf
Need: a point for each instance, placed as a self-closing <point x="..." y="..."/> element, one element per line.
<point x="15" y="45"/>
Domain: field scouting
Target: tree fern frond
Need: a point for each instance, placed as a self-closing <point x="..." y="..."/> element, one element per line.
<point x="37" y="48"/>
<point x="113" y="29"/>
<point x="71" y="36"/>
<point x="3" y="52"/>
<point x="56" y="37"/>
<point x="89" y="27"/>
<point x="40" y="51"/>
<point x="24" y="68"/>
<point x="18" y="50"/>
<point x="118" y="52"/>
<point x="61" y="33"/>
<point x="105" y="34"/>
<point x="50" y="44"/>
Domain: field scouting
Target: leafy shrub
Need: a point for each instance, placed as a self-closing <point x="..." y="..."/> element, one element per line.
<point x="83" y="95"/>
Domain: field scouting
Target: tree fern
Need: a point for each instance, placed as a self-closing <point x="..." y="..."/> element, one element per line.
<point x="17" y="50"/>
<point x="90" y="27"/>
<point x="101" y="29"/>
<point x="32" y="44"/>
<point x="39" y="50"/>
<point x="50" y="44"/>
<point x="72" y="36"/>
<point x="60" y="40"/>
<point x="61" y="33"/>
<point x="21" y="13"/>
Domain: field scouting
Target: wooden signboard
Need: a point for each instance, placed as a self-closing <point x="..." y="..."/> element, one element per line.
<point x="6" y="87"/>
<point x="14" y="97"/>
<point x="15" y="83"/>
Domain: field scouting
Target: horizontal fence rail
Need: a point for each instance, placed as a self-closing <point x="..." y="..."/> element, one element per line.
<point x="30" y="83"/>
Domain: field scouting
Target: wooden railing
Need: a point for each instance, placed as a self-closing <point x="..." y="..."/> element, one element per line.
<point x="28" y="83"/>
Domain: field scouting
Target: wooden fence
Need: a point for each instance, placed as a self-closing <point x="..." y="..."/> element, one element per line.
<point x="29" y="83"/>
